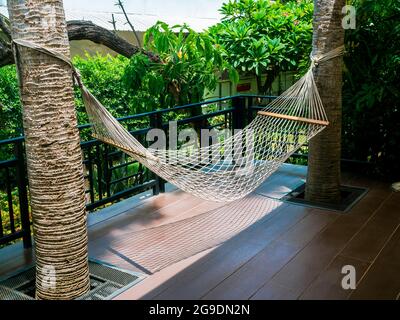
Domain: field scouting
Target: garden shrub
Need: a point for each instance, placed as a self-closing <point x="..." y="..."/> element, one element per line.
<point x="10" y="106"/>
<point x="371" y="90"/>
<point x="260" y="37"/>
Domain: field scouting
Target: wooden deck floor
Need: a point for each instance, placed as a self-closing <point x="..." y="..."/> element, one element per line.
<point x="296" y="253"/>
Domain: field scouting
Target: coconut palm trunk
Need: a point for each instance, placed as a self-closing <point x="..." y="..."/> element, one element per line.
<point x="54" y="157"/>
<point x="323" y="179"/>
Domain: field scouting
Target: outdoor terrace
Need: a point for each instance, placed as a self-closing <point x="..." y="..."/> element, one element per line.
<point x="294" y="252"/>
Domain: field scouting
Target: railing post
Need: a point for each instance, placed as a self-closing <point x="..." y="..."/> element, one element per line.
<point x="239" y="113"/>
<point x="99" y="168"/>
<point x="250" y="115"/>
<point x="156" y="122"/>
<point x="107" y="174"/>
<point x="23" y="194"/>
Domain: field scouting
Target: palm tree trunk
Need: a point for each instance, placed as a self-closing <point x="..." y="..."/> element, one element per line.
<point x="54" y="157"/>
<point x="323" y="179"/>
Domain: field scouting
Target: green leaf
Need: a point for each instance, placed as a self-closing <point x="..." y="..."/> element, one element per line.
<point x="234" y="75"/>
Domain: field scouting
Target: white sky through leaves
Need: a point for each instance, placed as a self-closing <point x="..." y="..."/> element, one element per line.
<point x="199" y="14"/>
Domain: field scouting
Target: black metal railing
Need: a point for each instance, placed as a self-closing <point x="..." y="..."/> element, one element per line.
<point x="14" y="203"/>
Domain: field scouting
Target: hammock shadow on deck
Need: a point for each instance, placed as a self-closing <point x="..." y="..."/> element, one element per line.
<point x="151" y="249"/>
<point x="200" y="277"/>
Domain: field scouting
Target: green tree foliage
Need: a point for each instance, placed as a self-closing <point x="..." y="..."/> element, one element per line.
<point x="102" y="75"/>
<point x="265" y="37"/>
<point x="10" y="107"/>
<point x="190" y="65"/>
<point x="371" y="89"/>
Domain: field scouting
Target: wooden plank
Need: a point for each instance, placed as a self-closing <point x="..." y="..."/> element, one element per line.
<point x="294" y="118"/>
<point x="382" y="280"/>
<point x="294" y="251"/>
<point x="328" y="285"/>
<point x="152" y="286"/>
<point x="153" y="212"/>
<point x="198" y="280"/>
<point x="156" y="248"/>
<point x="391" y="251"/>
<point x="249" y="278"/>
<point x="244" y="282"/>
<point x="367" y="206"/>
<point x="318" y="254"/>
<point x="200" y="265"/>
<point x="303" y="232"/>
<point x="390" y="208"/>
<point x="275" y="291"/>
<point x="14" y="257"/>
<point x="367" y="243"/>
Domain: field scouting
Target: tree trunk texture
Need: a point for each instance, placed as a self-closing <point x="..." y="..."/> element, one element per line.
<point x="82" y="30"/>
<point x="54" y="157"/>
<point x="323" y="178"/>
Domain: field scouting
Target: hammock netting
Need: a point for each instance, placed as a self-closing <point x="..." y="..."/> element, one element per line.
<point x="235" y="166"/>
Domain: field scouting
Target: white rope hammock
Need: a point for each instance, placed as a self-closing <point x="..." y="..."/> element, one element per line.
<point x="235" y="166"/>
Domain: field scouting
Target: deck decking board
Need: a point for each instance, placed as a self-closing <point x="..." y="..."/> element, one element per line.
<point x="370" y="239"/>
<point x="257" y="271"/>
<point x="327" y="286"/>
<point x="194" y="283"/>
<point x="275" y="291"/>
<point x="317" y="255"/>
<point x="294" y="252"/>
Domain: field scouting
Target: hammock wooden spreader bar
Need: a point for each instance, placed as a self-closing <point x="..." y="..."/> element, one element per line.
<point x="288" y="117"/>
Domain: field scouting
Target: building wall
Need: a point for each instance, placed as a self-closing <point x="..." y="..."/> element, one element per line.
<point x="226" y="88"/>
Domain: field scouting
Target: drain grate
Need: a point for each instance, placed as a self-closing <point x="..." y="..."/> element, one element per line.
<point x="106" y="282"/>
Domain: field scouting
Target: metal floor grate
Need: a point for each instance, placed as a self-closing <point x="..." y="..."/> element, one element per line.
<point x="106" y="282"/>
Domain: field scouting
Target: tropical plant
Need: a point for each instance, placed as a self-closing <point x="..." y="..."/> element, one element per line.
<point x="264" y="37"/>
<point x="102" y="75"/>
<point x="190" y="65"/>
<point x="10" y="106"/>
<point x="371" y="103"/>
<point x="323" y="175"/>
